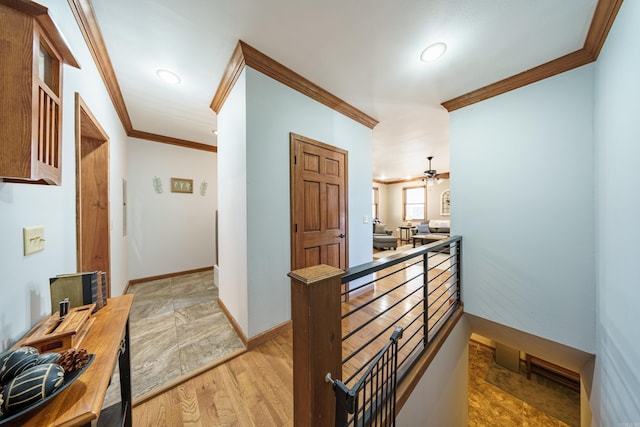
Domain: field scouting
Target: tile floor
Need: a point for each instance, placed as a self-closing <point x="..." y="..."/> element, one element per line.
<point x="490" y="405"/>
<point x="176" y="326"/>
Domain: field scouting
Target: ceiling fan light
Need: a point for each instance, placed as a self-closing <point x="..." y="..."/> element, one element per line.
<point x="431" y="177"/>
<point x="433" y="52"/>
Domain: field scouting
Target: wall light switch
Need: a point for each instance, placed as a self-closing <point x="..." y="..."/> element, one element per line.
<point x="365" y="219"/>
<point x="33" y="239"/>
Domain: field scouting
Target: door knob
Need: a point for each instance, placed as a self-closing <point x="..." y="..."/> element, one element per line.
<point x="342" y="236"/>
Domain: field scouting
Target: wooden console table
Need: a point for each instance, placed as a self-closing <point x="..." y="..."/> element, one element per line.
<point x="81" y="402"/>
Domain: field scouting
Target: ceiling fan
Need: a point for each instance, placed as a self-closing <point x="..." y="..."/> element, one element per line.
<point x="431" y="176"/>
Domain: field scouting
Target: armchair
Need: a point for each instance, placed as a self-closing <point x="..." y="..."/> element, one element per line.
<point x="383" y="238"/>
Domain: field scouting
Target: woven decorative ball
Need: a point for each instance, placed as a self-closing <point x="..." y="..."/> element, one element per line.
<point x="3" y="356"/>
<point x="47" y="358"/>
<point x="31" y="386"/>
<point x="17" y="361"/>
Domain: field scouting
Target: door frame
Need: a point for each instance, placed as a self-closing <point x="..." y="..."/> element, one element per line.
<point x="87" y="126"/>
<point x="293" y="137"/>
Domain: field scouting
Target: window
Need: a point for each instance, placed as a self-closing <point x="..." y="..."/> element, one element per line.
<point x="414" y="203"/>
<point x="445" y="203"/>
<point x="376" y="201"/>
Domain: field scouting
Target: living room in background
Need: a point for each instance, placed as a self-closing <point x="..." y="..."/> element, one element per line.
<point x="414" y="203"/>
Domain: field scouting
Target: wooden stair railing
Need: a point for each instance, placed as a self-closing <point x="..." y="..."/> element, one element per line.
<point x="317" y="344"/>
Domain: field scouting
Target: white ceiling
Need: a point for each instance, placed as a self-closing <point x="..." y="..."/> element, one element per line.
<point x="363" y="51"/>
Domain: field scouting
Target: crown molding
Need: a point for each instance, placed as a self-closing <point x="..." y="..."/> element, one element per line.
<point x="229" y="78"/>
<point x="245" y="55"/>
<point x="172" y="141"/>
<point x="86" y="19"/>
<point x="541" y="72"/>
<point x="444" y="175"/>
<point x="603" y="18"/>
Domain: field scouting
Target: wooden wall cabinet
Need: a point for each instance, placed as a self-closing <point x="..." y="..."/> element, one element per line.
<point x="32" y="51"/>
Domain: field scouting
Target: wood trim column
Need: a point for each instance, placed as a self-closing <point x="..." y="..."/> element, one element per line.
<point x="317" y="343"/>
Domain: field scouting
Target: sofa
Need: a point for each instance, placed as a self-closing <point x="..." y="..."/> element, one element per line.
<point x="382" y="238"/>
<point x="432" y="231"/>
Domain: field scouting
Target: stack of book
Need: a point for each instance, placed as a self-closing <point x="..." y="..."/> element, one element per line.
<point x="80" y="288"/>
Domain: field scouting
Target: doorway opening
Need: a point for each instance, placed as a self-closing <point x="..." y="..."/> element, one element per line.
<point x="92" y="193"/>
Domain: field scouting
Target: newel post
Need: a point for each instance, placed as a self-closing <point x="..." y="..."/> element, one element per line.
<point x="317" y="344"/>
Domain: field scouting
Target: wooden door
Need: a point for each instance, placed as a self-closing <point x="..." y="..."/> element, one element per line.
<point x="318" y="204"/>
<point x="92" y="193"/>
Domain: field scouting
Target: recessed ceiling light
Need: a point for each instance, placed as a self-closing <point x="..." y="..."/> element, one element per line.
<point x="433" y="52"/>
<point x="215" y="132"/>
<point x="168" y="76"/>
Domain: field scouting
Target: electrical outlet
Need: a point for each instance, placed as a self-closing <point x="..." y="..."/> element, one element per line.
<point x="33" y="239"/>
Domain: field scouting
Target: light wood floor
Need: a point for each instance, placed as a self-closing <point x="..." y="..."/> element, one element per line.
<point x="402" y="307"/>
<point x="253" y="389"/>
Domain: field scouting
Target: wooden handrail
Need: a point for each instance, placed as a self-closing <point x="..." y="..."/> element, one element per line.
<point x="317" y="344"/>
<point x="353" y="273"/>
<point x="317" y="313"/>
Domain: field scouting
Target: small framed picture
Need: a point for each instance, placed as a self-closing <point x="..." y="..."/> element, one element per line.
<point x="181" y="185"/>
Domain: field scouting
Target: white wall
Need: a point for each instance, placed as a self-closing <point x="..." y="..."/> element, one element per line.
<point x="170" y="232"/>
<point x="25" y="279"/>
<point x="272" y="112"/>
<point x="614" y="399"/>
<point x="393" y="210"/>
<point x="440" y="397"/>
<point x="433" y="200"/>
<point x="232" y="196"/>
<point x="529" y="243"/>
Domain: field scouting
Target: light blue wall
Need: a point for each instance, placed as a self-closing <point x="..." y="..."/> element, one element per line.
<point x="273" y="111"/>
<point x="529" y="243"/>
<point x="616" y="397"/>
